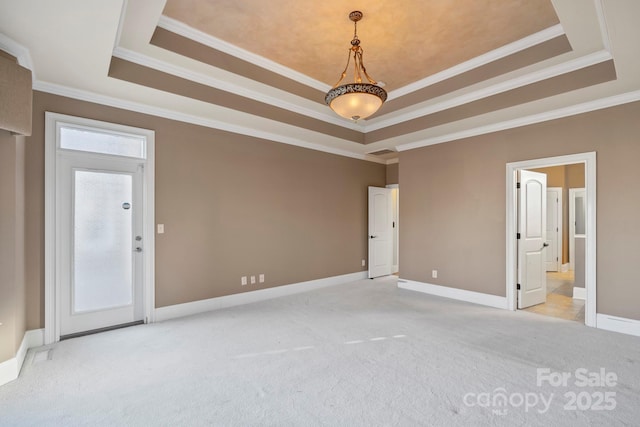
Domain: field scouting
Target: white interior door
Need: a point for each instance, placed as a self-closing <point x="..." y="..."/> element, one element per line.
<point x="380" y="232"/>
<point x="554" y="223"/>
<point x="532" y="219"/>
<point x="99" y="220"/>
<point x="577" y="221"/>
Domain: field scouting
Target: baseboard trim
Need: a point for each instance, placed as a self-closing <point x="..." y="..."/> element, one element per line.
<point x="618" y="324"/>
<point x="565" y="267"/>
<point x="196" y="307"/>
<point x="454" y="293"/>
<point x="579" y="293"/>
<point x="10" y="369"/>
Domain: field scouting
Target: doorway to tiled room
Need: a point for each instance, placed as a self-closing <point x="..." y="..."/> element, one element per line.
<point x="562" y="283"/>
<point x="564" y="253"/>
<point x="560" y="299"/>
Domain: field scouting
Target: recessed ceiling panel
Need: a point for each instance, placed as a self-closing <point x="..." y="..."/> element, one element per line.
<point x="401" y="44"/>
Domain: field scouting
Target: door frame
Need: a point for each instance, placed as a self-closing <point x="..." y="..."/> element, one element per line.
<point x="572" y="226"/>
<point x="559" y="220"/>
<point x="589" y="160"/>
<point x="389" y="209"/>
<point x="395" y="268"/>
<point x="52" y="302"/>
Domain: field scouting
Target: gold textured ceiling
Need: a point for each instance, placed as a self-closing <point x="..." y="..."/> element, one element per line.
<point x="403" y="41"/>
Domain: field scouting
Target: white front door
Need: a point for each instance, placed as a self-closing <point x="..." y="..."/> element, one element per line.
<point x="554" y="221"/>
<point x="380" y="232"/>
<point x="99" y="218"/>
<point x="532" y="228"/>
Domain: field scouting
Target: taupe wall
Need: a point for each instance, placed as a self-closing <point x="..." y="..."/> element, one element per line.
<point x="12" y="253"/>
<point x="393" y="175"/>
<point x="566" y="177"/>
<point x="232" y="206"/>
<point x="453" y="204"/>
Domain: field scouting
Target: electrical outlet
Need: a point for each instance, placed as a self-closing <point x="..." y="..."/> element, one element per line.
<point x="160" y="228"/>
<point x="434" y="274"/>
<point x="253" y="280"/>
<point x="243" y="280"/>
<point x="364" y="262"/>
<point x="261" y="278"/>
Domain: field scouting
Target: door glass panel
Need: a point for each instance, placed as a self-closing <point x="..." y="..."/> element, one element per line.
<point x="102" y="250"/>
<point x="104" y="143"/>
<point x="580" y="217"/>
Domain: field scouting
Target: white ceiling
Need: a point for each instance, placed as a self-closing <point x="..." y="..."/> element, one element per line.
<point x="69" y="46"/>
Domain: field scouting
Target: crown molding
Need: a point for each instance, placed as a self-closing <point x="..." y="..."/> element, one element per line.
<point x="602" y="21"/>
<point x="123" y="12"/>
<point x="325" y="115"/>
<point x="218" y="44"/>
<point x="21" y="53"/>
<point x="478" y="61"/>
<point x="503" y="86"/>
<point x="393" y="161"/>
<point x="137" y="107"/>
<point x="585" y="107"/>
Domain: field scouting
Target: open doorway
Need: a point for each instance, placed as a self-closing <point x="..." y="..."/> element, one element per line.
<point x="565" y="297"/>
<point x="561" y="288"/>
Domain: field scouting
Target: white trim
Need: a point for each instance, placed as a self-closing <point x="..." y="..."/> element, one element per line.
<point x="52" y="275"/>
<point x="20" y="52"/>
<point x="602" y="21"/>
<point x="572" y="226"/>
<point x="10" y="369"/>
<point x="83" y="95"/>
<point x="123" y="11"/>
<point x="218" y="44"/>
<point x="579" y="293"/>
<point x="565" y="267"/>
<point x="414" y="112"/>
<point x="202" y="306"/>
<point x="149" y="230"/>
<point x="618" y="324"/>
<point x="322" y="113"/>
<point x="589" y="160"/>
<point x="454" y="293"/>
<point x="585" y="107"/>
<point x="559" y="192"/>
<point x="478" y="61"/>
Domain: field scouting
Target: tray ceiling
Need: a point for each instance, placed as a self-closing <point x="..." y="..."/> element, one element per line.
<point x="262" y="68"/>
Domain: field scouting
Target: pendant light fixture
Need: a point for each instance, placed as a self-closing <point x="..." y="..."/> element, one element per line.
<point x="356" y="100"/>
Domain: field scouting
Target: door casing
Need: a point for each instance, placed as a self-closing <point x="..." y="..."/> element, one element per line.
<point x="573" y="192"/>
<point x="558" y="232"/>
<point x="589" y="160"/>
<point x="52" y="291"/>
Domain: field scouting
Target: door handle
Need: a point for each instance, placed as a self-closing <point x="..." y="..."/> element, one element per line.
<point x="372" y="237"/>
<point x="544" y="245"/>
<point x="138" y="249"/>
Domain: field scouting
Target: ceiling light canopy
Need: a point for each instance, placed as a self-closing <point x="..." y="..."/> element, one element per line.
<point x="356" y="100"/>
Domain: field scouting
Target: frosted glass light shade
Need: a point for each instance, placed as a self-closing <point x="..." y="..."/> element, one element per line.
<point x="356" y="101"/>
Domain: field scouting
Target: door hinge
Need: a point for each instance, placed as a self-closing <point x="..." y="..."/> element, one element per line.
<point x="393" y="224"/>
<point x="518" y="286"/>
<point x="518" y="236"/>
<point x="517" y="185"/>
<point x="556" y="259"/>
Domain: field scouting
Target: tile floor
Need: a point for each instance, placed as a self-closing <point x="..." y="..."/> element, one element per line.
<point x="560" y="302"/>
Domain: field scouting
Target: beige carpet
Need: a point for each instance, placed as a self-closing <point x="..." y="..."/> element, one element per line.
<point x="359" y="354"/>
